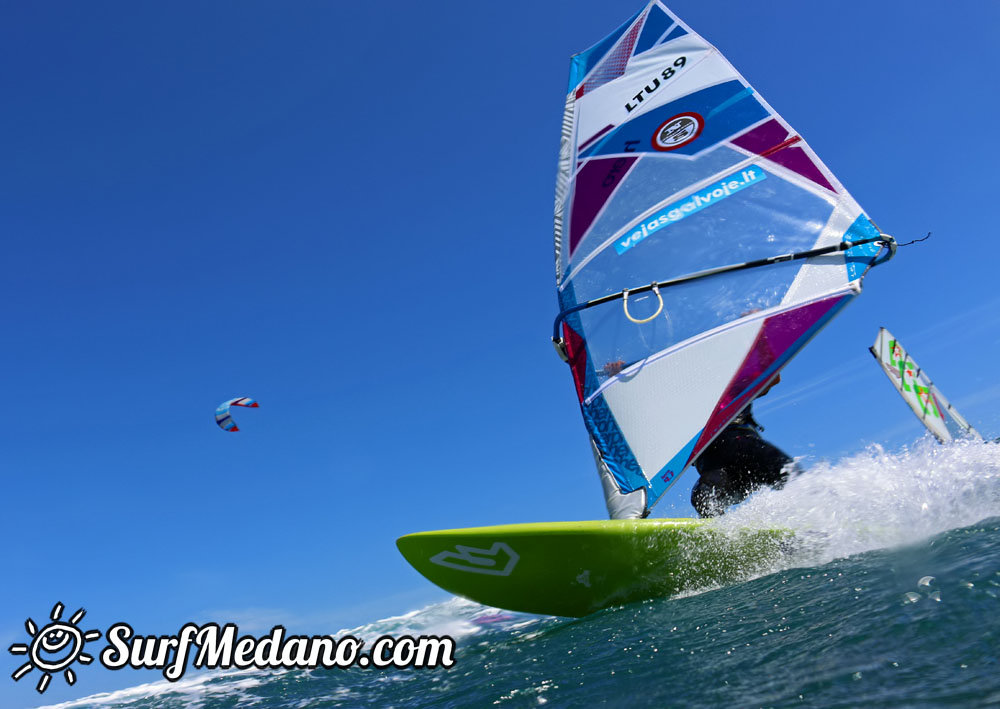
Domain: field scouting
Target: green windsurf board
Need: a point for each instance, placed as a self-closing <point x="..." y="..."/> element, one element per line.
<point x="577" y="568"/>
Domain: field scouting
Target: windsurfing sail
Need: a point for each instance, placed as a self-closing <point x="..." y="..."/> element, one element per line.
<point x="918" y="391"/>
<point x="700" y="243"/>
<point x="225" y="419"/>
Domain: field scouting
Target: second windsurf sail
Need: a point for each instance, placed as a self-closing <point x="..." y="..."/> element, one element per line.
<point x="918" y="391"/>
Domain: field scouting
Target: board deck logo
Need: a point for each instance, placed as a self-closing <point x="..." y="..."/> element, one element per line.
<point x="498" y="560"/>
<point x="678" y="131"/>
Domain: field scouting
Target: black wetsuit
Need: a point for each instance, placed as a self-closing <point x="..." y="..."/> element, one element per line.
<point x="737" y="463"/>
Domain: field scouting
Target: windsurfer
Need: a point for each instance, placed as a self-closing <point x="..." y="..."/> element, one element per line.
<point x="738" y="463"/>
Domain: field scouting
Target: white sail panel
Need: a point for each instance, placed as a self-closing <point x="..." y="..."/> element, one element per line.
<point x="658" y="432"/>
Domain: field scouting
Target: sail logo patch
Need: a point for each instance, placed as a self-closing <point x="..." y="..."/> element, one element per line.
<point x="498" y="560"/>
<point x="678" y="131"/>
<point x="689" y="205"/>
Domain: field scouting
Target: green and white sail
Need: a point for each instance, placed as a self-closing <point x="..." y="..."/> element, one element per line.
<point x="918" y="391"/>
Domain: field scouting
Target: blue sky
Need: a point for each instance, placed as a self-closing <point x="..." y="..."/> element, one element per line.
<point x="344" y="211"/>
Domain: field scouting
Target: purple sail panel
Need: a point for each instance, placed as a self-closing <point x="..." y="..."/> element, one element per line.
<point x="773" y="141"/>
<point x="778" y="340"/>
<point x="594" y="185"/>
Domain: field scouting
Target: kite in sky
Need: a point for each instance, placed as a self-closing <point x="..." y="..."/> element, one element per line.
<point x="225" y="419"/>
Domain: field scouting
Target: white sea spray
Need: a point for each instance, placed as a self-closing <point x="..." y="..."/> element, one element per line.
<point x="879" y="499"/>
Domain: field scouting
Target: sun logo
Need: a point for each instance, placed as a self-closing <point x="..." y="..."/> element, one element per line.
<point x="54" y="648"/>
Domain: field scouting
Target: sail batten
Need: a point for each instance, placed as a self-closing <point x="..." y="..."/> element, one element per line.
<point x="699" y="244"/>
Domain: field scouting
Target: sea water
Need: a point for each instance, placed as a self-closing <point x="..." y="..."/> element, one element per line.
<point x="890" y="596"/>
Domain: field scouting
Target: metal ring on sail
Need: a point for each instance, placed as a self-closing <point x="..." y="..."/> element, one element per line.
<point x="637" y="321"/>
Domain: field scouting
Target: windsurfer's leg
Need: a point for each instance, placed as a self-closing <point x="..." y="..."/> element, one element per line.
<point x="713" y="493"/>
<point x="704" y="500"/>
<point x="765" y="464"/>
<point x="741" y="464"/>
